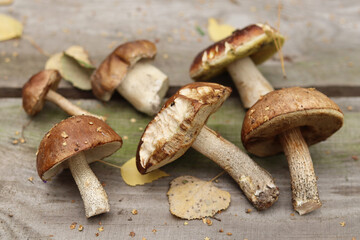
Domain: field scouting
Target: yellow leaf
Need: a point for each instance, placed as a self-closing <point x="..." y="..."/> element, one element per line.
<point x="218" y="31"/>
<point x="9" y="28"/>
<point x="132" y="177"/>
<point x="192" y="198"/>
<point x="71" y="70"/>
<point x="6" y="2"/>
<point x="80" y="55"/>
<point x="54" y="62"/>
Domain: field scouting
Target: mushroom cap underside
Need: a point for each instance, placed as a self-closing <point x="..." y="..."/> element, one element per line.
<point x="176" y="126"/>
<point x="257" y="41"/>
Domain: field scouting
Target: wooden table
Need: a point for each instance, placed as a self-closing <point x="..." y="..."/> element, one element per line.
<point x="322" y="51"/>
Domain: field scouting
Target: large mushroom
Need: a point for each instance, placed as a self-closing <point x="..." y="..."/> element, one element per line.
<point x="42" y="86"/>
<point x="290" y="120"/>
<point x="75" y="143"/>
<point x="139" y="82"/>
<point x="180" y="124"/>
<point x="239" y="54"/>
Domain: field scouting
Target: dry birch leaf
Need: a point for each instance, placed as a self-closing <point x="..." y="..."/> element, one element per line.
<point x="192" y="198"/>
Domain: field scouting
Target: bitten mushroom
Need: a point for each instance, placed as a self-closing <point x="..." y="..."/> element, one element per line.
<point x="180" y="124"/>
<point x="238" y="54"/>
<point x="74" y="143"/>
<point x="290" y="120"/>
<point x="42" y="86"/>
<point x="142" y="84"/>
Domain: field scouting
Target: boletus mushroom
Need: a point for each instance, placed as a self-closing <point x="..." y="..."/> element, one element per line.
<point x="139" y="82"/>
<point x="75" y="143"/>
<point x="42" y="86"/>
<point x="180" y="124"/>
<point x="239" y="54"/>
<point x="290" y="120"/>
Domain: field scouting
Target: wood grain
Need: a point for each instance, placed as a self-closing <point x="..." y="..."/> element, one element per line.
<point x="322" y="50"/>
<point x="40" y="210"/>
<point x="322" y="45"/>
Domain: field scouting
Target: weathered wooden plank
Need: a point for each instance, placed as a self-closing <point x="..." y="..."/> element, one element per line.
<point x="322" y="46"/>
<point x="45" y="211"/>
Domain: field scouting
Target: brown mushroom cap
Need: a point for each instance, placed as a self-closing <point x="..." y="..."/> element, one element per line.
<point x="108" y="76"/>
<point x="73" y="135"/>
<point x="255" y="41"/>
<point x="317" y="116"/>
<point x="176" y="126"/>
<point x="34" y="91"/>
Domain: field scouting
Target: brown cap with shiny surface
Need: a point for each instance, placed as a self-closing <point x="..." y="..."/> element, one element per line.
<point x="35" y="90"/>
<point x="317" y="116"/>
<point x="73" y="135"/>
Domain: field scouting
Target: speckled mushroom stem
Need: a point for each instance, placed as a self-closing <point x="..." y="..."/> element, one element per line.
<point x="68" y="106"/>
<point x="257" y="184"/>
<point x="249" y="81"/>
<point x="305" y="195"/>
<point x="92" y="192"/>
<point x="144" y="87"/>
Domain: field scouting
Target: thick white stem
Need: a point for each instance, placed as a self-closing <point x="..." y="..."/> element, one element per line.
<point x="249" y="81"/>
<point x="255" y="182"/>
<point x="305" y="193"/>
<point x="144" y="87"/>
<point x="68" y="106"/>
<point x="92" y="192"/>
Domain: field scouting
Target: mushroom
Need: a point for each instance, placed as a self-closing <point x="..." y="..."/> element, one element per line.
<point x="238" y="54"/>
<point x="42" y="86"/>
<point x="74" y="143"/>
<point x="290" y="120"/>
<point x="142" y="84"/>
<point x="180" y="124"/>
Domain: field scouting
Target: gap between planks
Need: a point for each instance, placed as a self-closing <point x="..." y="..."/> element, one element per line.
<point x="73" y="93"/>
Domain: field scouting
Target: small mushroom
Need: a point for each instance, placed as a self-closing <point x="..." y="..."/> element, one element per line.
<point x="142" y="84"/>
<point x="290" y="120"/>
<point x="74" y="143"/>
<point x="238" y="54"/>
<point x="180" y="125"/>
<point x="42" y="86"/>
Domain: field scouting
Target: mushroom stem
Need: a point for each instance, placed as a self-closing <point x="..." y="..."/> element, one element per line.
<point x="305" y="194"/>
<point x="255" y="182"/>
<point x="68" y="106"/>
<point x="93" y="194"/>
<point x="144" y="87"/>
<point x="249" y="81"/>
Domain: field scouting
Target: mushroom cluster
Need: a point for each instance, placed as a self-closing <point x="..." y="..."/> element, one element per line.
<point x="287" y="120"/>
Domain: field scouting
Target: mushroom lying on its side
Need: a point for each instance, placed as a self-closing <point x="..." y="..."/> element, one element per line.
<point x="139" y="82"/>
<point x="42" y="86"/>
<point x="74" y="143"/>
<point x="238" y="54"/>
<point x="180" y="125"/>
<point x="289" y="120"/>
